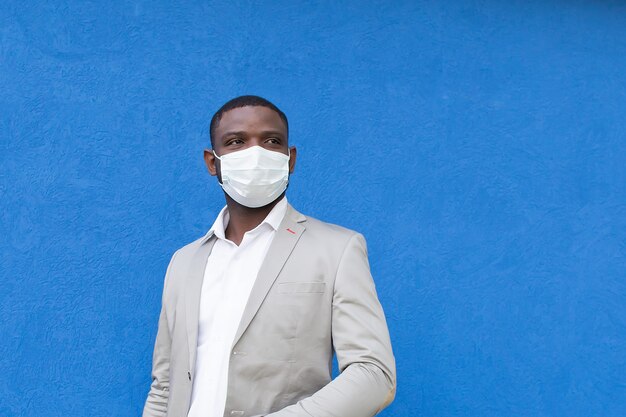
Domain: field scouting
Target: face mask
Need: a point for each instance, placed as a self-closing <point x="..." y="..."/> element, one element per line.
<point x="254" y="177"/>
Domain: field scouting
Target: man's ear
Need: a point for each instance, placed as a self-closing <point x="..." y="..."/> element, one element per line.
<point x="209" y="160"/>
<point x="292" y="158"/>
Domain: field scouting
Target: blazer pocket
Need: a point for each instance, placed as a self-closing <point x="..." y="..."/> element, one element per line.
<point x="300" y="287"/>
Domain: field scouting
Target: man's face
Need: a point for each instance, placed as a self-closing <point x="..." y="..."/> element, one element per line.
<point x="248" y="126"/>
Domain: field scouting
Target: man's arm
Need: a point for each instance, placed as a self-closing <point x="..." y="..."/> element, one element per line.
<point x="156" y="403"/>
<point x="367" y="382"/>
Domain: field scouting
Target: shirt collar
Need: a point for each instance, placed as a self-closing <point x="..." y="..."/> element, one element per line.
<point x="274" y="217"/>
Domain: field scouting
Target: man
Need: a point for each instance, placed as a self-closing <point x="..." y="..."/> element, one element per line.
<point x="252" y="311"/>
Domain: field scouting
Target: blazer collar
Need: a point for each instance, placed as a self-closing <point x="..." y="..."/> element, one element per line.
<point x="271" y="219"/>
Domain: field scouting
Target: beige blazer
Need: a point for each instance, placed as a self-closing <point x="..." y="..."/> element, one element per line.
<point x="314" y="294"/>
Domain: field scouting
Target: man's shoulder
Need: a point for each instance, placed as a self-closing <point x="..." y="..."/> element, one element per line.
<point x="189" y="248"/>
<point x="329" y="229"/>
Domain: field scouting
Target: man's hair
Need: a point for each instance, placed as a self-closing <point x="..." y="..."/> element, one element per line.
<point x="242" y="101"/>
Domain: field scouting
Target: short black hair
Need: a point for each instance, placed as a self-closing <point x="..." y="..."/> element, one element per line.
<point x="243" y="101"/>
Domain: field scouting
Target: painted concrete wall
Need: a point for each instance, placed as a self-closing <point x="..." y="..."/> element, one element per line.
<point x="479" y="146"/>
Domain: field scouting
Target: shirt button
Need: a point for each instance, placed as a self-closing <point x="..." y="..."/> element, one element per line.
<point x="189" y="375"/>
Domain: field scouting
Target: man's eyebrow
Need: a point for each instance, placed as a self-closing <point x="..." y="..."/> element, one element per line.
<point x="272" y="132"/>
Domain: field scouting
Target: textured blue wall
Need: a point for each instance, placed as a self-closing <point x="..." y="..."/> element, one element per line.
<point x="480" y="147"/>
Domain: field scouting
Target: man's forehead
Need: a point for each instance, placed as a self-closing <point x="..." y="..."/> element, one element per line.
<point x="249" y="116"/>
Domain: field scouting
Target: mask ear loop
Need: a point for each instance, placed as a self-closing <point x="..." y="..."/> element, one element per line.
<point x="213" y="150"/>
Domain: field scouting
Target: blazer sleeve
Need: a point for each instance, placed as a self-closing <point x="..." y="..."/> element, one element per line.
<point x="367" y="382"/>
<point x="156" y="402"/>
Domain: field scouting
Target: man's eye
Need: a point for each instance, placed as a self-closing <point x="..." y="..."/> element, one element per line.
<point x="235" y="141"/>
<point x="274" y="140"/>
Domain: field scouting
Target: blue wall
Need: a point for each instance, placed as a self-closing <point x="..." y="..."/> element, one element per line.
<point x="480" y="147"/>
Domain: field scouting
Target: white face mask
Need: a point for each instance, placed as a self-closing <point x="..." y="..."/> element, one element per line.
<point x="254" y="177"/>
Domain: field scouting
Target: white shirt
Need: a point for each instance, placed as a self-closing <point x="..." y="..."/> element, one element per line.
<point x="228" y="278"/>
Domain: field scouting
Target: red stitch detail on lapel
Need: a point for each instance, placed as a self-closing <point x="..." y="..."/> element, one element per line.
<point x="291" y="231"/>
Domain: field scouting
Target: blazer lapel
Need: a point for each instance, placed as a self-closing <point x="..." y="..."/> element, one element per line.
<point x="193" y="290"/>
<point x="285" y="239"/>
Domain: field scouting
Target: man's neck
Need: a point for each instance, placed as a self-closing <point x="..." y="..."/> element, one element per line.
<point x="243" y="219"/>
